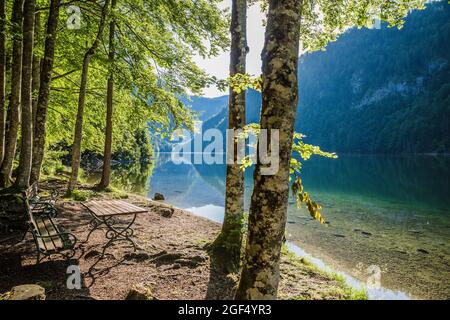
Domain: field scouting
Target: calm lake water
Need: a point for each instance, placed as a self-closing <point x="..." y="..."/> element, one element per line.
<point x="385" y="213"/>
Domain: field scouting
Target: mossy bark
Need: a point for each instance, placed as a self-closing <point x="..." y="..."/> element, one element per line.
<point x="2" y="78"/>
<point x="13" y="115"/>
<point x="44" y="90"/>
<point x="26" y="146"/>
<point x="36" y="64"/>
<point x="268" y="211"/>
<point x="227" y="246"/>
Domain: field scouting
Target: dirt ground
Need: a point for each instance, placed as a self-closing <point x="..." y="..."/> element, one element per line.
<point x="172" y="261"/>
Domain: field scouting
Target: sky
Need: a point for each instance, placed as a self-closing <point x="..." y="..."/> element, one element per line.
<point x="219" y="66"/>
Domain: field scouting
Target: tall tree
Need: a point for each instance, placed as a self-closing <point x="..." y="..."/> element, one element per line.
<point x="267" y="219"/>
<point x="227" y="246"/>
<point x="2" y="78"/>
<point x="13" y="118"/>
<point x="76" y="147"/>
<point x="26" y="147"/>
<point x="317" y="23"/>
<point x="36" y="69"/>
<point x="44" y="90"/>
<point x="106" y="173"/>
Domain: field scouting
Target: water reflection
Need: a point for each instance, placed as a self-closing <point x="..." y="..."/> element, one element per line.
<point x="392" y="212"/>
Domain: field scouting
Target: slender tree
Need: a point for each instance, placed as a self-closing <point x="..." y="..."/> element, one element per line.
<point x="36" y="64"/>
<point x="267" y="219"/>
<point x="227" y="246"/>
<point x="13" y="118"/>
<point x="44" y="90"/>
<point x="76" y="147"/>
<point x="26" y="147"/>
<point x="2" y="78"/>
<point x="106" y="174"/>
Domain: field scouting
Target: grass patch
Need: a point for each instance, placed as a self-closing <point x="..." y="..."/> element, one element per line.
<point x="80" y="195"/>
<point x="349" y="292"/>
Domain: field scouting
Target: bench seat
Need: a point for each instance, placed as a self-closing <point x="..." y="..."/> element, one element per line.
<point x="51" y="238"/>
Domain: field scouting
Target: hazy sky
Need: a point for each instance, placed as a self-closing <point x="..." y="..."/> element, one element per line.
<point x="219" y="66"/>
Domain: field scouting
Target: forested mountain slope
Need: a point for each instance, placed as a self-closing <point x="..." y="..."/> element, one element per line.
<point x="375" y="91"/>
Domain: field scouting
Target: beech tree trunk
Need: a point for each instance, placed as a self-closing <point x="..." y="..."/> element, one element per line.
<point x="2" y="79"/>
<point x="44" y="91"/>
<point x="36" y="65"/>
<point x="13" y="117"/>
<point x="76" y="147"/>
<point x="26" y="147"/>
<point x="267" y="219"/>
<point x="106" y="174"/>
<point x="227" y="246"/>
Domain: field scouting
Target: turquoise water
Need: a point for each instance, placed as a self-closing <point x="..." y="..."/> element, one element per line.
<point x="390" y="213"/>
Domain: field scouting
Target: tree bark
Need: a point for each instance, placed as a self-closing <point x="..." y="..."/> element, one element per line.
<point x="227" y="246"/>
<point x="2" y="79"/>
<point x="106" y="173"/>
<point x="13" y="117"/>
<point x="36" y="64"/>
<point x="26" y="147"/>
<point x="44" y="91"/>
<point x="268" y="211"/>
<point x="76" y="148"/>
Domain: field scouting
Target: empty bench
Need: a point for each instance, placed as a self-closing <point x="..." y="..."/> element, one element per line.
<point x="50" y="237"/>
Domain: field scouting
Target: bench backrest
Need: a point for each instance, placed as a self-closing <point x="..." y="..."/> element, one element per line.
<point x="32" y="191"/>
<point x="27" y="196"/>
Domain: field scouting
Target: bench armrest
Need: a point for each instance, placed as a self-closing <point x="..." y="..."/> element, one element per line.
<point x="71" y="236"/>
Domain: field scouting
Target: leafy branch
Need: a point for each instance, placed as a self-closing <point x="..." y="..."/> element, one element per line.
<point x="301" y="150"/>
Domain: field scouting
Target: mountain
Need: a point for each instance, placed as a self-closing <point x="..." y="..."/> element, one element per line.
<point x="372" y="91"/>
<point x="206" y="107"/>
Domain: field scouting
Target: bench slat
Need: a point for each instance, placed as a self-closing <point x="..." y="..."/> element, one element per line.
<point x="45" y="227"/>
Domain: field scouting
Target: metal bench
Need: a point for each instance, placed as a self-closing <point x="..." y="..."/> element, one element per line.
<point x="50" y="238"/>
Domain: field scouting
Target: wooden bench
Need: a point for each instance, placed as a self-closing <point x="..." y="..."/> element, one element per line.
<point x="50" y="238"/>
<point x="39" y="204"/>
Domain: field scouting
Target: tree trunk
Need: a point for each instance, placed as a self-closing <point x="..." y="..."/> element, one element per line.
<point x="76" y="148"/>
<point x="227" y="246"/>
<point x="26" y="147"/>
<point x="36" y="64"/>
<point x="13" y="117"/>
<point x="267" y="220"/>
<point x="2" y="79"/>
<point x="44" y="91"/>
<point x="106" y="174"/>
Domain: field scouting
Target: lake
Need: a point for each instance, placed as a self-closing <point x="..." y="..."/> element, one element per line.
<point x="384" y="213"/>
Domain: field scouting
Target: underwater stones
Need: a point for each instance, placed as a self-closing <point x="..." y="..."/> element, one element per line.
<point x="423" y="251"/>
<point x="337" y="235"/>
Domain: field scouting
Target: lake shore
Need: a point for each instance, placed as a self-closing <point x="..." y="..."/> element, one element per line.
<point x="172" y="261"/>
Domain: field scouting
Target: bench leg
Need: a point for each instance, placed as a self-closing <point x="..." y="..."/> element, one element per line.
<point x="25" y="234"/>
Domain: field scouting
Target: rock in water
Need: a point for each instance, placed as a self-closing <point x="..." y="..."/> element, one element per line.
<point x="140" y="292"/>
<point x="158" y="197"/>
<point x="27" y="292"/>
